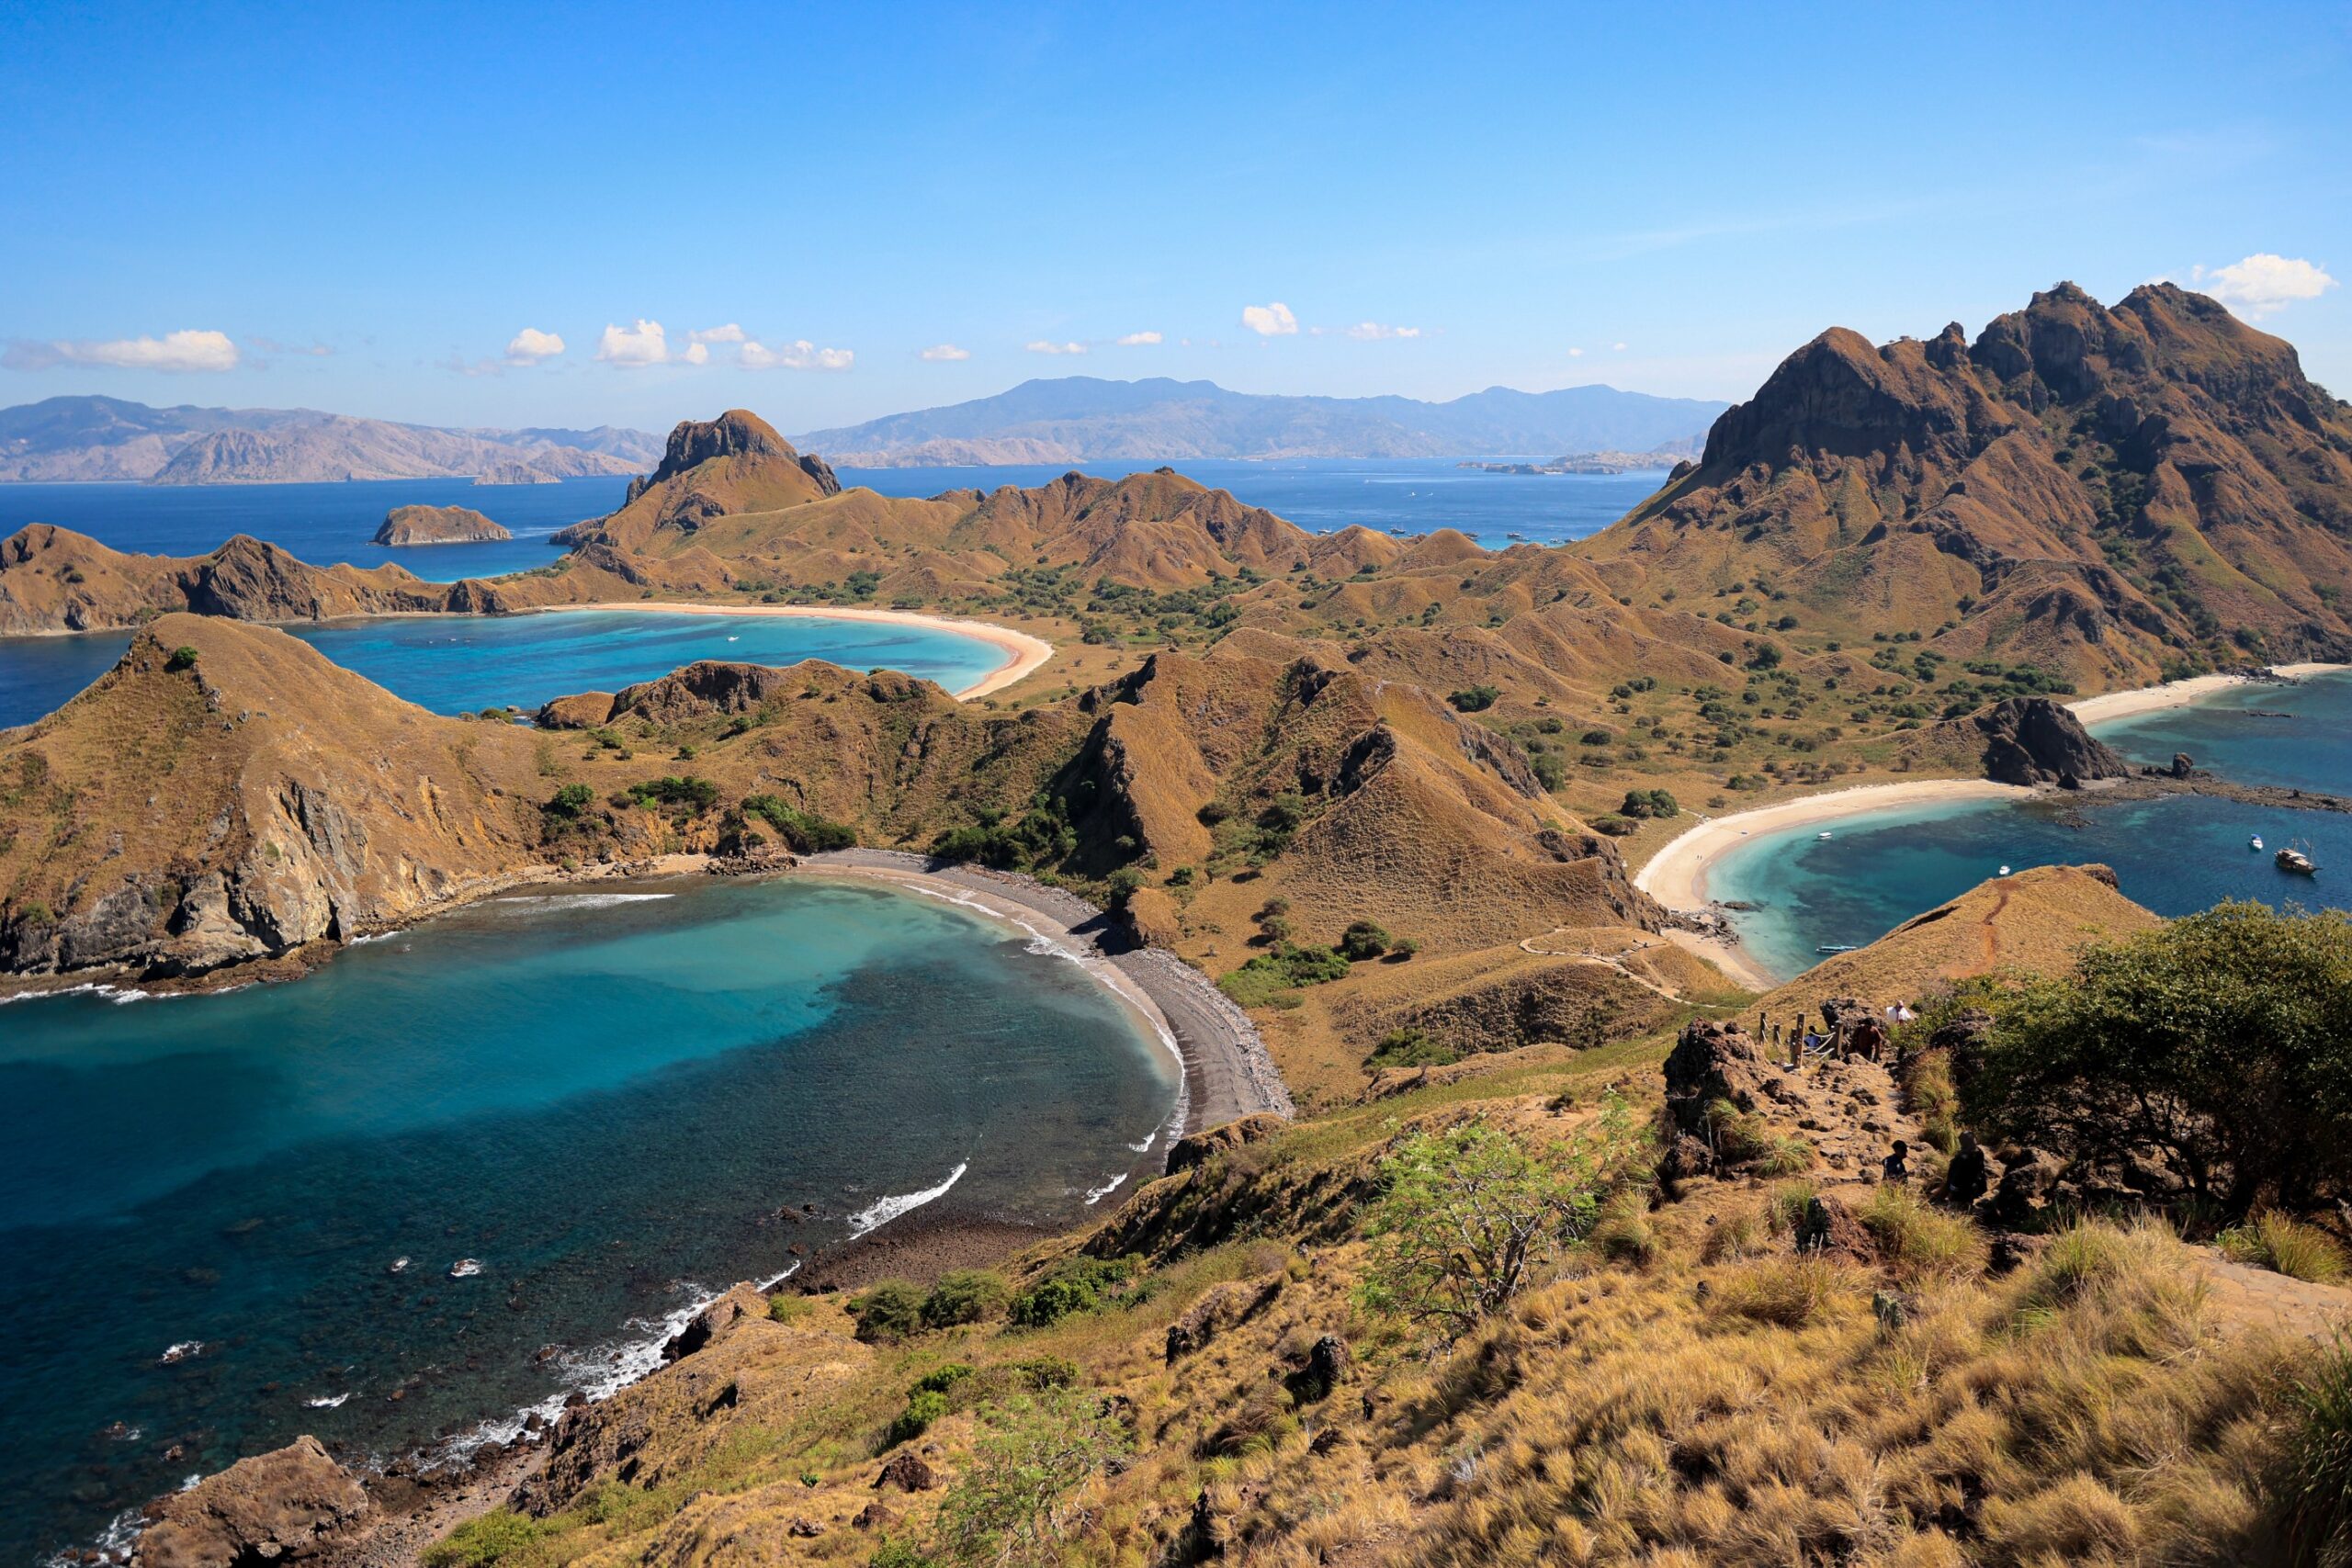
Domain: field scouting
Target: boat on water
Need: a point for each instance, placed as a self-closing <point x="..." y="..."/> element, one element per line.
<point x="2296" y="862"/>
<point x="2254" y="844"/>
<point x="465" y="1268"/>
<point x="1826" y="835"/>
<point x="2003" y="872"/>
<point x="1835" y="946"/>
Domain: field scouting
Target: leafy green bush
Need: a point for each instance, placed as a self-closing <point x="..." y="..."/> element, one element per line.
<point x="1287" y="967"/>
<point x="569" y="802"/>
<point x="485" y="1539"/>
<point x="924" y="1407"/>
<point x="693" y="794"/>
<point x="1362" y="940"/>
<point x="889" y="1310"/>
<point x="182" y="658"/>
<point x="1648" y="803"/>
<point x="1468" y="1214"/>
<point x="1074" y="1285"/>
<point x="1474" y="699"/>
<point x="1011" y="1504"/>
<point x="964" y="1295"/>
<point x="2222" y="1039"/>
<point x="806" y="832"/>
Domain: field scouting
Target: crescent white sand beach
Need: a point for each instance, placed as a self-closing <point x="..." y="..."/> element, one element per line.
<point x="1023" y="654"/>
<point x="2176" y="694"/>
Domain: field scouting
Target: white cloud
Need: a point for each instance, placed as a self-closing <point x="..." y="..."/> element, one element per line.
<point x="941" y="350"/>
<point x="644" y="343"/>
<point x="696" y="354"/>
<point x="1618" y="346"/>
<point x="530" y="346"/>
<point x="1138" y="340"/>
<point x="2263" y="284"/>
<point x="1270" y="321"/>
<point x="1375" y="332"/>
<point x="801" y="355"/>
<point x="174" y="351"/>
<point x="1042" y="346"/>
<point x="731" y="332"/>
<point x="1576" y="354"/>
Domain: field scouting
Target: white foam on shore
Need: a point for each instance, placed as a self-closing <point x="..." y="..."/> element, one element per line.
<point x="865" y="1221"/>
<point x="1096" y="1194"/>
<point x="379" y="936"/>
<point x="582" y="900"/>
<point x="326" y="1401"/>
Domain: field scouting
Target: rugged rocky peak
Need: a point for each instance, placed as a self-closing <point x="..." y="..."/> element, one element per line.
<point x="737" y="433"/>
<point x="1838" y="397"/>
<point x="286" y="1506"/>
<point x="2033" y="741"/>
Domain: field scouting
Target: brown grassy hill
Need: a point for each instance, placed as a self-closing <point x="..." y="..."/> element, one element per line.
<point x="1703" y="1381"/>
<point x="2033" y="922"/>
<point x="52" y="579"/>
<point x="2110" y="493"/>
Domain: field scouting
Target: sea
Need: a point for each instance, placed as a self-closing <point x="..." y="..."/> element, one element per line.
<point x="2175" y="855"/>
<point x="457" y="665"/>
<point x="467" y="1169"/>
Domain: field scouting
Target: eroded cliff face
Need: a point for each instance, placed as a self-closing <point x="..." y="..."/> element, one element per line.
<point x="2103" y="490"/>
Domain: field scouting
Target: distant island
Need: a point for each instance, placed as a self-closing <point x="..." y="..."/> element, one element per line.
<point x="438" y="526"/>
<point x="94" y="438"/>
<point x="1657" y="460"/>
<point x="1079" y="419"/>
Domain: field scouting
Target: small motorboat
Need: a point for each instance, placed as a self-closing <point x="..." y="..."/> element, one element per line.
<point x="465" y="1268"/>
<point x="2296" y="862"/>
<point x="1835" y="946"/>
<point x="1825" y="835"/>
<point x="2254" y="844"/>
<point x="2003" y="872"/>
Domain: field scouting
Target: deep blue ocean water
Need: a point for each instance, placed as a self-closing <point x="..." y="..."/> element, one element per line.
<point x="2175" y="855"/>
<point x="1323" y="495"/>
<point x="612" y="1104"/>
<point x="322" y="524"/>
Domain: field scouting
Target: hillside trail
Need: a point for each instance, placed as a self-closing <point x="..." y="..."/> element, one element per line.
<point x="1599" y="960"/>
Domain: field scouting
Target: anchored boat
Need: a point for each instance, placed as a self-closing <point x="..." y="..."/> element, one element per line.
<point x="2296" y="862"/>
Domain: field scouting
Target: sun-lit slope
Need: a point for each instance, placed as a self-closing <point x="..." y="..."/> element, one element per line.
<point x="2033" y="921"/>
<point x="252" y="799"/>
<point x="2099" y="491"/>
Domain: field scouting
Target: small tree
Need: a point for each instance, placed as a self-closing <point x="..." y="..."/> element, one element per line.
<point x="182" y="658"/>
<point x="1466" y="1216"/>
<point x="1014" y="1503"/>
<point x="1362" y="940"/>
<point x="2224" y="1039"/>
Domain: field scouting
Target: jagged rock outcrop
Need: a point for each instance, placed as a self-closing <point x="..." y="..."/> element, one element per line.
<point x="2033" y="741"/>
<point x="288" y="1505"/>
<point x="438" y="526"/>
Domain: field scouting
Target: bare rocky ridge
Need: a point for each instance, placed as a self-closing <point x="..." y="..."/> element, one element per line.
<point x="2093" y="489"/>
<point x="438" y="526"/>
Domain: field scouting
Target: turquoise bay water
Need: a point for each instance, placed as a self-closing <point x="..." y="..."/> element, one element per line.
<point x="2174" y="854"/>
<point x="612" y="1103"/>
<point x="461" y="663"/>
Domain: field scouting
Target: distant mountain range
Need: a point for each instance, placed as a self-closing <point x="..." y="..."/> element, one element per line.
<point x="79" y="438"/>
<point x="1083" y="419"/>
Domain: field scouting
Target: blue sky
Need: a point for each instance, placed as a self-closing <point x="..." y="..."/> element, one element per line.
<point x="364" y="208"/>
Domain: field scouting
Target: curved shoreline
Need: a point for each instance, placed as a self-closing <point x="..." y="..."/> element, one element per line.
<point x="1024" y="654"/>
<point x="1227" y="1071"/>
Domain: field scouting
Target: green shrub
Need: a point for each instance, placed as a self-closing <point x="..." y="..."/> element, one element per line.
<point x="1914" y="1237"/>
<point x="889" y="1310"/>
<point x="182" y="658"/>
<point x="806" y="832"/>
<point x="786" y="1308"/>
<point x="941" y="1378"/>
<point x="964" y="1295"/>
<point x="2222" y="1039"/>
<point x="1362" y="940"/>
<point x="924" y="1407"/>
<point x="1074" y="1285"/>
<point x="691" y="794"/>
<point x="569" y="802"/>
<point x="1474" y="699"/>
<point x="1011" y="1503"/>
<point x="485" y="1539"/>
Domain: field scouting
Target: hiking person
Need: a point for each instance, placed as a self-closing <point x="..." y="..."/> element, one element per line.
<point x="1897" y="1165"/>
<point x="1968" y="1175"/>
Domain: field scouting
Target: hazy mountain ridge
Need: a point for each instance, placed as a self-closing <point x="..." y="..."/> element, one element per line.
<point x="1086" y="418"/>
<point x="93" y="438"/>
